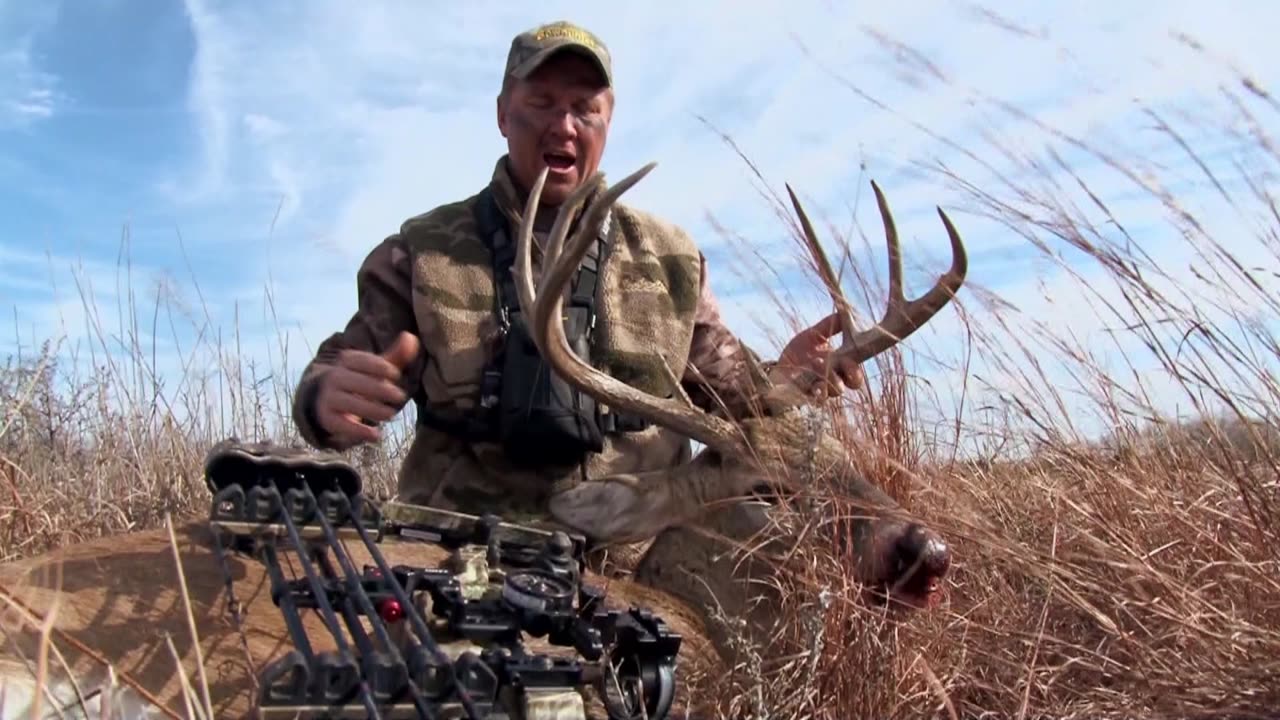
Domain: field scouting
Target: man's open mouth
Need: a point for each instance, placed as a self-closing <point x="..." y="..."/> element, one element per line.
<point x="558" y="161"/>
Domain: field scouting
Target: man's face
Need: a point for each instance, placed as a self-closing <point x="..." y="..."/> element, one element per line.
<point x="558" y="118"/>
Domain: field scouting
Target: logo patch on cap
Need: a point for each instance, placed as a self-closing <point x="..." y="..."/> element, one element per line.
<point x="566" y="31"/>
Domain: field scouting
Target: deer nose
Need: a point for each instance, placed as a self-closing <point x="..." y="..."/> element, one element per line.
<point x="922" y="556"/>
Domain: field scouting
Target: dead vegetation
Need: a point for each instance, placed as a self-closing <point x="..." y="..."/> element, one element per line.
<point x="1113" y="559"/>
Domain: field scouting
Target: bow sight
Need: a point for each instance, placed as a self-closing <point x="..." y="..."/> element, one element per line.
<point x="428" y="642"/>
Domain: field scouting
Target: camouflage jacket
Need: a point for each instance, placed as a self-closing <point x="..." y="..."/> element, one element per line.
<point x="434" y="279"/>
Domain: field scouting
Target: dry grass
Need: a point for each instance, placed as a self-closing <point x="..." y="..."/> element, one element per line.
<point x="1111" y="560"/>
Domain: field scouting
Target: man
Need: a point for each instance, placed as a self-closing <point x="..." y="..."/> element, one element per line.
<point x="430" y="325"/>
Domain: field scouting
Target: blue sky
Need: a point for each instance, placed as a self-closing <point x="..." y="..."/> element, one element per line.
<point x="263" y="148"/>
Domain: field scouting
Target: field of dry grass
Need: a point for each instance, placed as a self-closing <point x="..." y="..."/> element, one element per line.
<point x="1129" y="571"/>
<point x="1113" y="558"/>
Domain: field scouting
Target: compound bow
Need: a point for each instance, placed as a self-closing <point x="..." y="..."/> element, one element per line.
<point x="419" y="642"/>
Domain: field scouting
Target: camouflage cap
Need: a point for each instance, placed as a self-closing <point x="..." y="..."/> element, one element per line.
<point x="533" y="47"/>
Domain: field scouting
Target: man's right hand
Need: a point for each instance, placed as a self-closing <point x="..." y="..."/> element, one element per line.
<point x="363" y="386"/>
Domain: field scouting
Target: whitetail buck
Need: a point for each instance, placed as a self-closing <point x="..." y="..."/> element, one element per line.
<point x="898" y="560"/>
<point x="120" y="601"/>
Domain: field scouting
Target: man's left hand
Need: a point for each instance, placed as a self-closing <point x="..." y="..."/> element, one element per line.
<point x="806" y="361"/>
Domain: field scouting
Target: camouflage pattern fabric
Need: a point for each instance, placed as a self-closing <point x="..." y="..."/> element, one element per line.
<point x="434" y="279"/>
<point x="531" y="48"/>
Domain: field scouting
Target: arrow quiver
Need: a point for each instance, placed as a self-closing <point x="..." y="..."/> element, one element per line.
<point x="453" y="641"/>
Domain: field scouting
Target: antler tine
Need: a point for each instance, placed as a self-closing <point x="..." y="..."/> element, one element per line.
<point x="522" y="271"/>
<point x="532" y="303"/>
<point x="896" y="295"/>
<point x="544" y="312"/>
<point x="564" y="217"/>
<point x="901" y="318"/>
<point x="828" y="275"/>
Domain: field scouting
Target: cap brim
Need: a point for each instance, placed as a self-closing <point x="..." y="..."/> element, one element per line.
<point x="526" y="68"/>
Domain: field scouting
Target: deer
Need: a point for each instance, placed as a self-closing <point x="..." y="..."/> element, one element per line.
<point x="899" y="561"/>
<point x="172" y="623"/>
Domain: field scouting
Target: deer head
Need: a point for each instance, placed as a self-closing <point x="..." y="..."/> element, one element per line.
<point x="742" y="456"/>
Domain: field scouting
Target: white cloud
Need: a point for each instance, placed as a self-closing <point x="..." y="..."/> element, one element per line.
<point x="37" y="104"/>
<point x="215" y="48"/>
<point x="264" y="129"/>
<point x="28" y="92"/>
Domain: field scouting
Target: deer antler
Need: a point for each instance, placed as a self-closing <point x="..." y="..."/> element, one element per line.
<point x="543" y="312"/>
<point x="901" y="317"/>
